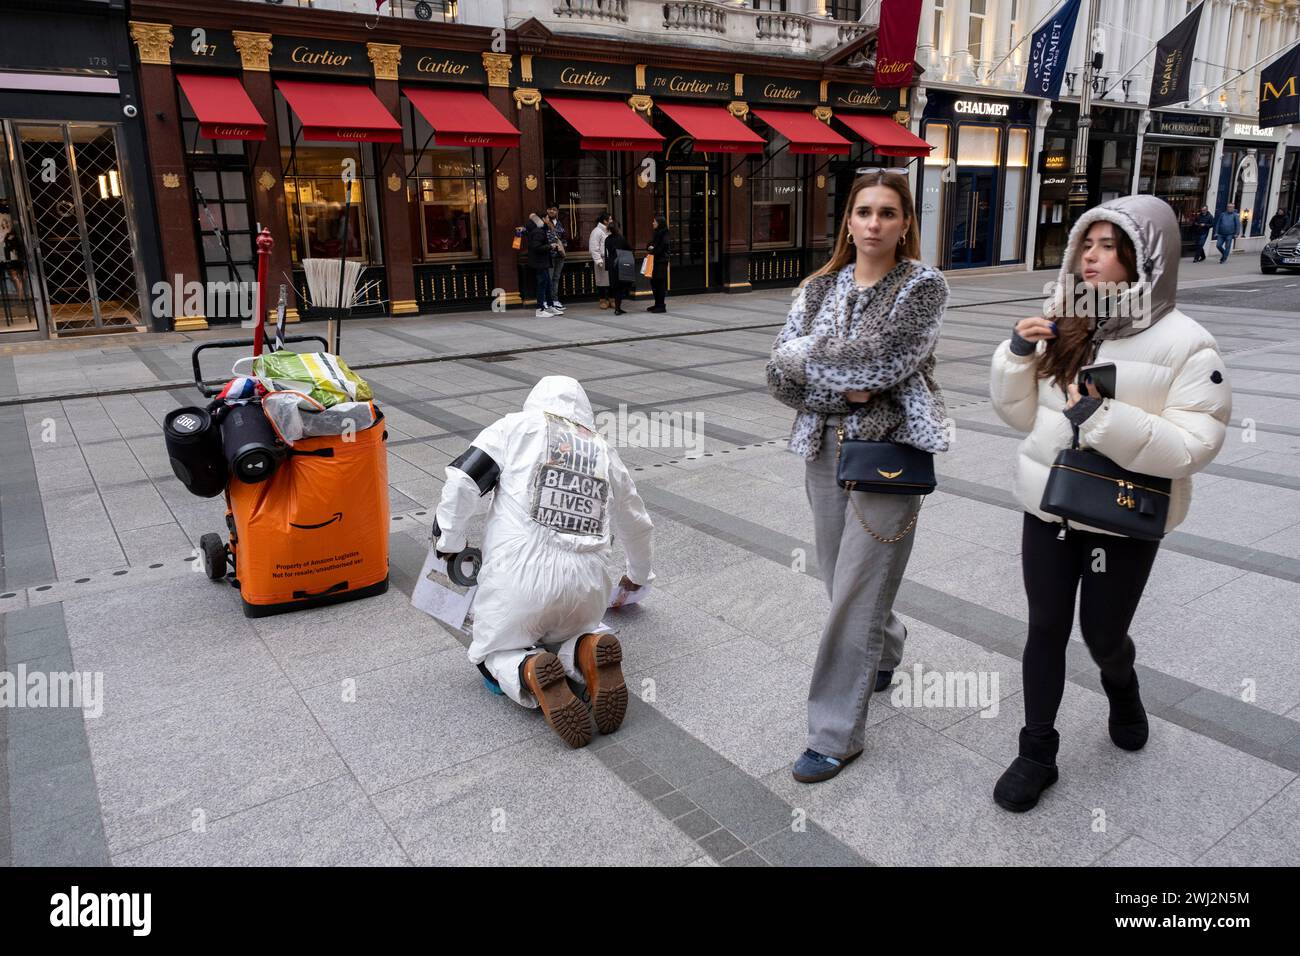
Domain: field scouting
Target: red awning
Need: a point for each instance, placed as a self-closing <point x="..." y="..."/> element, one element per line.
<point x="806" y="133"/>
<point x="607" y="124"/>
<point x="222" y="105"/>
<point x="462" y="117"/>
<point x="340" y="112"/>
<point x="888" y="137"/>
<point x="714" y="129"/>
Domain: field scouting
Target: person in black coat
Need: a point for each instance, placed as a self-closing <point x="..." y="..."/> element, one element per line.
<point x="1204" y="222"/>
<point x="1276" y="225"/>
<point x="660" y="247"/>
<point x="540" y="249"/>
<point x="613" y="243"/>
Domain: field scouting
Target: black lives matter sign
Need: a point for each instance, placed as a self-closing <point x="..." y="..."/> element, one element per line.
<point x="570" y="489"/>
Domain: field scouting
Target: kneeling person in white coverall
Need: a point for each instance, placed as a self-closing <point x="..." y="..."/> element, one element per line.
<point x="561" y="493"/>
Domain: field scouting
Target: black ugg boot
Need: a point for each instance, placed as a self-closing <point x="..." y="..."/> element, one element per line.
<point x="1020" y="786"/>
<point x="1128" y="724"/>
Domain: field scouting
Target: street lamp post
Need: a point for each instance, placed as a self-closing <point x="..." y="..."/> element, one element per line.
<point x="1078" y="201"/>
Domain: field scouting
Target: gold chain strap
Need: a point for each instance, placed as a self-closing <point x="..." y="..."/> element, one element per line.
<point x="866" y="527"/>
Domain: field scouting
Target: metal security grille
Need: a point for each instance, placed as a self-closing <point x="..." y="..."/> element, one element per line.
<point x="79" y="205"/>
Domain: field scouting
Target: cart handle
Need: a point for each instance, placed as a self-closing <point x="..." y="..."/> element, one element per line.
<point x="209" y="391"/>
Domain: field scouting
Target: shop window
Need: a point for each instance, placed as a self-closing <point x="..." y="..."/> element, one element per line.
<point x="938" y="25"/>
<point x="1015" y="185"/>
<point x="978" y="145"/>
<point x="1179" y="175"/>
<point x="776" y="197"/>
<point x="770" y="6"/>
<point x="975" y="30"/>
<point x="847" y="10"/>
<point x="219" y="181"/>
<point x="933" y="192"/>
<point x="580" y="183"/>
<point x="315" y="193"/>
<point x="447" y="193"/>
<point x="17" y="299"/>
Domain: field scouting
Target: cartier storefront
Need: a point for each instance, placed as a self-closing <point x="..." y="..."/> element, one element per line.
<point x="421" y="161"/>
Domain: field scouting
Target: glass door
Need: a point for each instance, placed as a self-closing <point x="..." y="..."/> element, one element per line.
<point x="18" y="303"/>
<point x="972" y="221"/>
<point x="692" y="212"/>
<point x="81" y="227"/>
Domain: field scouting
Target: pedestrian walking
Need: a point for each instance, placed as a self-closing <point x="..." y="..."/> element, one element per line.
<point x="1165" y="419"/>
<point x="1204" y="222"/>
<point x="1226" y="228"/>
<point x="856" y="361"/>
<point x="596" y="248"/>
<point x="559" y="238"/>
<point x="614" y="242"/>
<point x="660" y="247"/>
<point x="538" y="241"/>
<point x="1276" y="225"/>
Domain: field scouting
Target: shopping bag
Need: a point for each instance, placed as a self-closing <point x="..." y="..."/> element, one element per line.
<point x="325" y="377"/>
<point x="648" y="267"/>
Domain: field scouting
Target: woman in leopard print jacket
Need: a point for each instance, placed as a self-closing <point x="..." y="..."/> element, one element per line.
<point x="858" y="350"/>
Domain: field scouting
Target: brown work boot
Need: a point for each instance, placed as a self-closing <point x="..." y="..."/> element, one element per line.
<point x="543" y="675"/>
<point x="599" y="657"/>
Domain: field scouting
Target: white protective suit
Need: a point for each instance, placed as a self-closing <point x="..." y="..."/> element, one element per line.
<point x="548" y="568"/>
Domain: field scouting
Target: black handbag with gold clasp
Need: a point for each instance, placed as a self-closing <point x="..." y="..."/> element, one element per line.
<point x="883" y="467"/>
<point x="1087" y="487"/>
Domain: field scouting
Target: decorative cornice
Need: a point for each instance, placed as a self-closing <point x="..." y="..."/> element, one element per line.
<point x="384" y="59"/>
<point x="526" y="67"/>
<point x="254" y="50"/>
<point x="640" y="76"/>
<point x="641" y="103"/>
<point x="527" y="97"/>
<point x="153" y="42"/>
<point x="738" y="109"/>
<point x="498" y="67"/>
<point x="823" y="113"/>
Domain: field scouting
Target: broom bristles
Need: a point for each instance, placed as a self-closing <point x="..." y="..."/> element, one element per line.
<point x="324" y="286"/>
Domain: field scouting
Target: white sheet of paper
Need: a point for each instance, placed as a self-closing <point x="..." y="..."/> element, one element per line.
<point x="436" y="595"/>
<point x="622" y="598"/>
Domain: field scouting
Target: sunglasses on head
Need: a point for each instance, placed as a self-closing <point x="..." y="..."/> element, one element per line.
<point x="866" y="170"/>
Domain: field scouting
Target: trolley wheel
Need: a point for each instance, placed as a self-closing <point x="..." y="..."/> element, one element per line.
<point x="214" y="556"/>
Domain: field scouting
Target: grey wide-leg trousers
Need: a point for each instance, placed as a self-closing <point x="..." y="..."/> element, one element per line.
<point x="862" y="576"/>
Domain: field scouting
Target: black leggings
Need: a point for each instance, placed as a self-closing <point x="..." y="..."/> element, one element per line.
<point x="1108" y="600"/>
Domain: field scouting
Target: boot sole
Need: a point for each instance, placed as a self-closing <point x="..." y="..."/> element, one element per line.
<point x="562" y="710"/>
<point x="601" y="664"/>
<point x="1024" y="805"/>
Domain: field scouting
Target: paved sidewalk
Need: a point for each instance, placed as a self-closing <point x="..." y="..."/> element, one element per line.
<point x="108" y="365"/>
<point x="359" y="734"/>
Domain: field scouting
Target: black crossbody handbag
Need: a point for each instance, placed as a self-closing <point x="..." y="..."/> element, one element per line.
<point x="1087" y="487"/>
<point x="883" y="467"/>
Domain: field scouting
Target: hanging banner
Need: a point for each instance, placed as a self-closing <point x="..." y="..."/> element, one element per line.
<point x="1049" y="53"/>
<point x="896" y="50"/>
<point x="1173" y="68"/>
<point x="1279" y="101"/>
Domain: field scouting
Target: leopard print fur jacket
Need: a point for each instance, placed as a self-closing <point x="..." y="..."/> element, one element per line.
<point x="839" y="337"/>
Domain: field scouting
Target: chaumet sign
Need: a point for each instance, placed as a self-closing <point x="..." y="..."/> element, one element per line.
<point x="978" y="108"/>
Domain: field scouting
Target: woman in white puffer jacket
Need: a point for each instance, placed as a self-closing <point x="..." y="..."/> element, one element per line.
<point x="1168" y="419"/>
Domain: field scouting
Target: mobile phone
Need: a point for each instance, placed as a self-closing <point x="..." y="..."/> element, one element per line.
<point x="1102" y="376"/>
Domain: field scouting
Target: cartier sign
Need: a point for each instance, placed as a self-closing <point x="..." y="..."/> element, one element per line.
<point x="325" y="57"/>
<point x="445" y="66"/>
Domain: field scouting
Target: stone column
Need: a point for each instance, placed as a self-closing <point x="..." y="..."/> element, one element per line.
<point x="736" y="212"/>
<point x="390" y="186"/>
<point x="503" y="175"/>
<point x="528" y="118"/>
<point x="268" y="199"/>
<point x="173" y="190"/>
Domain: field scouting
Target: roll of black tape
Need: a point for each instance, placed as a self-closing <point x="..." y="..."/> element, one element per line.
<point x="455" y="567"/>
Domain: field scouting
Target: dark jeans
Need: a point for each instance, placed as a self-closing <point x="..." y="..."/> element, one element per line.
<point x="618" y="290"/>
<point x="1108" y="599"/>
<point x="545" y="296"/>
<point x="659" y="284"/>
<point x="1199" y="255"/>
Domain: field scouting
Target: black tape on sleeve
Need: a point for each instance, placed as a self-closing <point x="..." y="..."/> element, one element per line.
<point x="480" y="466"/>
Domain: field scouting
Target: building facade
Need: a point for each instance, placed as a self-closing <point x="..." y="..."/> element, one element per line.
<point x="78" y="251"/>
<point x="1207" y="152"/>
<point x="744" y="126"/>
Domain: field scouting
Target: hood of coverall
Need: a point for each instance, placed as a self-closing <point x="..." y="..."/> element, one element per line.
<point x="563" y="396"/>
<point x="1153" y="228"/>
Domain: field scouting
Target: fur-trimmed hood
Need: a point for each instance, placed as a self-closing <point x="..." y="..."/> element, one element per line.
<point x="1153" y="228"/>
